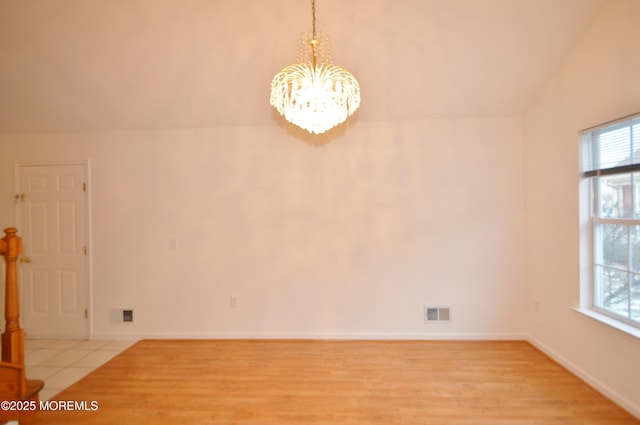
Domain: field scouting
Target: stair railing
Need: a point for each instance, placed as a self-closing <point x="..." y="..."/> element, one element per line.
<point x="13" y="336"/>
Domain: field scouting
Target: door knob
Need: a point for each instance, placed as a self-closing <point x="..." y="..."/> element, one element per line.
<point x="25" y="259"/>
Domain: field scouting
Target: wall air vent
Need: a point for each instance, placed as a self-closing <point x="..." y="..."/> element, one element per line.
<point x="122" y="316"/>
<point x="434" y="314"/>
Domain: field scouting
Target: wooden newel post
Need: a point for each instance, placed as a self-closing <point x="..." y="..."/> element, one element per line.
<point x="13" y="336"/>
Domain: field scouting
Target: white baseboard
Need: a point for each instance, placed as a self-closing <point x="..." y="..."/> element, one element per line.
<point x="316" y="335"/>
<point x="632" y="408"/>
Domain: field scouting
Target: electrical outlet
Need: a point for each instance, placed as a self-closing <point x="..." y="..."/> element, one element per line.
<point x="233" y="302"/>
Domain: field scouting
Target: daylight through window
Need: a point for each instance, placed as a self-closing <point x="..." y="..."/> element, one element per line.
<point x="611" y="163"/>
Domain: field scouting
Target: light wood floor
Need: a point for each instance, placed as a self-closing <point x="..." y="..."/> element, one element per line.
<point x="268" y="382"/>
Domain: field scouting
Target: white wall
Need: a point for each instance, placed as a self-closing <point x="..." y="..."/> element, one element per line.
<point x="598" y="82"/>
<point x="347" y="239"/>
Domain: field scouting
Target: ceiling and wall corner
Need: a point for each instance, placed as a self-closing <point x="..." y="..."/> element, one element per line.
<point x="74" y="65"/>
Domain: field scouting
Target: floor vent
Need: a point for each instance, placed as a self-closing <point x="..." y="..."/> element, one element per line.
<point x="437" y="314"/>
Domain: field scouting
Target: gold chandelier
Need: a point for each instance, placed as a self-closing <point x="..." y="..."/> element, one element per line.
<point x="315" y="94"/>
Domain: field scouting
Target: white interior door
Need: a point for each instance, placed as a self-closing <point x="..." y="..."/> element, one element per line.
<point x="53" y="208"/>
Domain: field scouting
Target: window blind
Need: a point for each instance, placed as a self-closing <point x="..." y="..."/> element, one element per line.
<point x="611" y="148"/>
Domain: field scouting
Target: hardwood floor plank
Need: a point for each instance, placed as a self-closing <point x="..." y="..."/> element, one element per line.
<point x="335" y="382"/>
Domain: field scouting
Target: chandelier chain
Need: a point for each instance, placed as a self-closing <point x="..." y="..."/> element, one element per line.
<point x="313" y="17"/>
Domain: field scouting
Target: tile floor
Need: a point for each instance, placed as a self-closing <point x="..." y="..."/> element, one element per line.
<point x="61" y="362"/>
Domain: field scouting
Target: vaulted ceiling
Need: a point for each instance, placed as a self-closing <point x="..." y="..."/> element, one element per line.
<point x="99" y="65"/>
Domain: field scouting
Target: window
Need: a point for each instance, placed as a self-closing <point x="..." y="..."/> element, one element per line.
<point x="611" y="167"/>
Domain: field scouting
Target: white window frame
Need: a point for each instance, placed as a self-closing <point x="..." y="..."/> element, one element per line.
<point x="590" y="218"/>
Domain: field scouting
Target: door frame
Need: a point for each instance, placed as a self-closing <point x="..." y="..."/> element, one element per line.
<point x="86" y="163"/>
